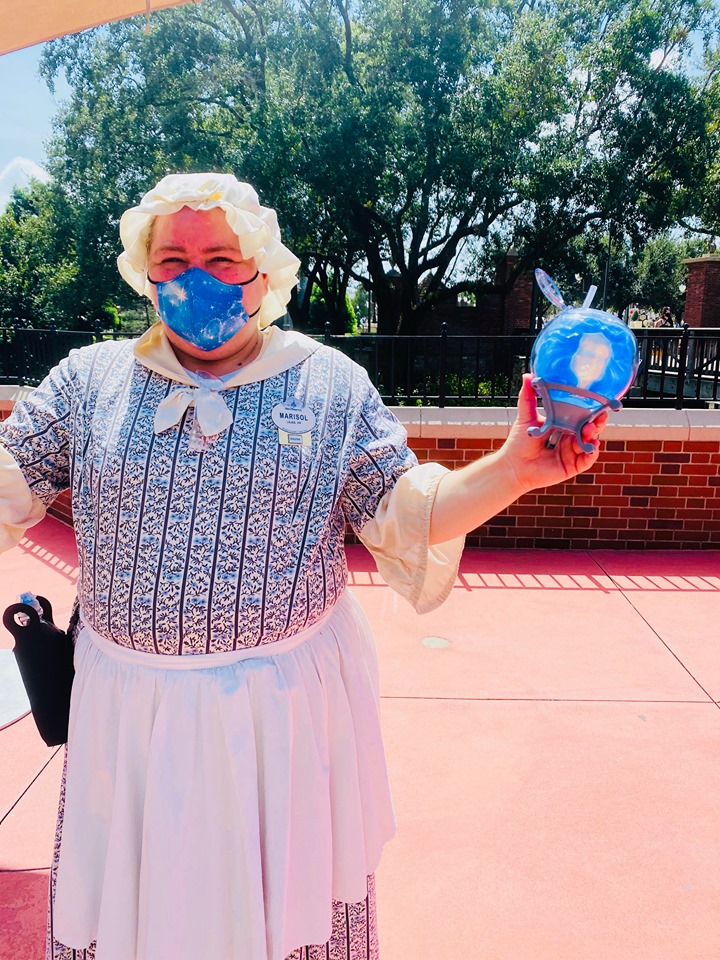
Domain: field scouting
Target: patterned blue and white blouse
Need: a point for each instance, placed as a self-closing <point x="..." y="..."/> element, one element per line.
<point x="187" y="552"/>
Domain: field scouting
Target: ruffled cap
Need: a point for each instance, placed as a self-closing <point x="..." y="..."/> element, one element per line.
<point x="256" y="227"/>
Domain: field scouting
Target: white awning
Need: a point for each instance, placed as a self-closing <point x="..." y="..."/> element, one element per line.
<point x="24" y="23"/>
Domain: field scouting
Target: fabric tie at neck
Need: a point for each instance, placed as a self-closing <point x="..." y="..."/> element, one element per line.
<point x="211" y="414"/>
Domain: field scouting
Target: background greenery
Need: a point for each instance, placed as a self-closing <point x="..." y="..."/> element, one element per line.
<point x="406" y="144"/>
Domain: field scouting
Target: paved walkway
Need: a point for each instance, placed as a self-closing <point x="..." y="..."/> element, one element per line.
<point x="554" y="752"/>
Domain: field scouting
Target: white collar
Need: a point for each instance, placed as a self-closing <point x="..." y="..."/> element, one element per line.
<point x="285" y="349"/>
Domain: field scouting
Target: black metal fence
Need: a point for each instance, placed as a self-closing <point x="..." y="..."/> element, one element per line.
<point x="679" y="367"/>
<point x="26" y="355"/>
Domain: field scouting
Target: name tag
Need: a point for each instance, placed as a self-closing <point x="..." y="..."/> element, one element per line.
<point x="293" y="420"/>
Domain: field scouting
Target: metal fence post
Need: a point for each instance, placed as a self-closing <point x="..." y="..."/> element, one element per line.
<point x="98" y="328"/>
<point x="443" y="363"/>
<point x="682" y="367"/>
<point x="328" y="332"/>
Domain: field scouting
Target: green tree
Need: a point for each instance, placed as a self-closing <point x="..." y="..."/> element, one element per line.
<point x="650" y="276"/>
<point x="322" y="313"/>
<point x="39" y="276"/>
<point x="660" y="272"/>
<point x="361" y="305"/>
<point x="413" y="136"/>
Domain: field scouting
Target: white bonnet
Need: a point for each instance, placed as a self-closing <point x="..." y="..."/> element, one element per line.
<point x="256" y="227"/>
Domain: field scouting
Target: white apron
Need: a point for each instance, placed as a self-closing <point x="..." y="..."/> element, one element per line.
<point x="216" y="804"/>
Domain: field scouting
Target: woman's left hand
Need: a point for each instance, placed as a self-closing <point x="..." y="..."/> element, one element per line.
<point x="536" y="465"/>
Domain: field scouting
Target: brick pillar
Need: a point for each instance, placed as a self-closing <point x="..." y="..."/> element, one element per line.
<point x="519" y="301"/>
<point x="702" y="298"/>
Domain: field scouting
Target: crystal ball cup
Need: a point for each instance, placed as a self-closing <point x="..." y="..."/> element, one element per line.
<point x="583" y="361"/>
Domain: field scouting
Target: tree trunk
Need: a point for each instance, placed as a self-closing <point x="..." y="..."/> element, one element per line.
<point x="387" y="312"/>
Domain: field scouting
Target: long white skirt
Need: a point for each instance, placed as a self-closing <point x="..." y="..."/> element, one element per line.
<point x="217" y="804"/>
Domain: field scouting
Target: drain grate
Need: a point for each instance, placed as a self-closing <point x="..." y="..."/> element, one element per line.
<point x="435" y="643"/>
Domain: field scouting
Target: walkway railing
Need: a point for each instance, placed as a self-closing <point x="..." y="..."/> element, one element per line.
<point x="679" y="367"/>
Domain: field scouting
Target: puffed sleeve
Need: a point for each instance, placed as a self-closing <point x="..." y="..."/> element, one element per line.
<point x="388" y="500"/>
<point x="34" y="455"/>
<point x="19" y="507"/>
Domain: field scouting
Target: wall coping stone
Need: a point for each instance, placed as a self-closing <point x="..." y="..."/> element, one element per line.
<point x="632" y="423"/>
<point x="704" y="424"/>
<point x="705" y="258"/>
<point x="10" y="394"/>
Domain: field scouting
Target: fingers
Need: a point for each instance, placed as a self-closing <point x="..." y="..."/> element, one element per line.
<point x="527" y="402"/>
<point x="601" y="420"/>
<point x="592" y="431"/>
<point x="590" y="434"/>
<point x="599" y="423"/>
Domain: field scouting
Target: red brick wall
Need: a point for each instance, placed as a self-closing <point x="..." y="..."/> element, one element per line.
<point x="517" y="309"/>
<point x="62" y="508"/>
<point x="702" y="299"/>
<point x="641" y="494"/>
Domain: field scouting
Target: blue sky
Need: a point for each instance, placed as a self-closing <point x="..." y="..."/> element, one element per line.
<point x="27" y="108"/>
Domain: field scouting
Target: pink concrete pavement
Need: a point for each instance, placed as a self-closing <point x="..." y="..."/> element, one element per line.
<point x="554" y="759"/>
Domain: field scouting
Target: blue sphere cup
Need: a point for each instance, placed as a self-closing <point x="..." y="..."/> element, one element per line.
<point x="588" y="351"/>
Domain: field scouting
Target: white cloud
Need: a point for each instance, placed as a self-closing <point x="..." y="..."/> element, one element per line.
<point x="18" y="173"/>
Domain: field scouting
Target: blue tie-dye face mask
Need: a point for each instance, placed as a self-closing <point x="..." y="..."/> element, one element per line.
<point x="201" y="309"/>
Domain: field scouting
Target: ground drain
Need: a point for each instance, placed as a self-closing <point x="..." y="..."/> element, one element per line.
<point x="435" y="643"/>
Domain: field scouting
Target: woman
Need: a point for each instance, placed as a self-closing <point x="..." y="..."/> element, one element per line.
<point x="225" y="793"/>
<point x="665" y="318"/>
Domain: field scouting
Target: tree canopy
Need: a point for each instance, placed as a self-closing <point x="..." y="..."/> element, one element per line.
<point x="38" y="263"/>
<point x="406" y="144"/>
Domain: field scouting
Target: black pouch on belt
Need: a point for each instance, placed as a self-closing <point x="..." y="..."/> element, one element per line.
<point x="44" y="656"/>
